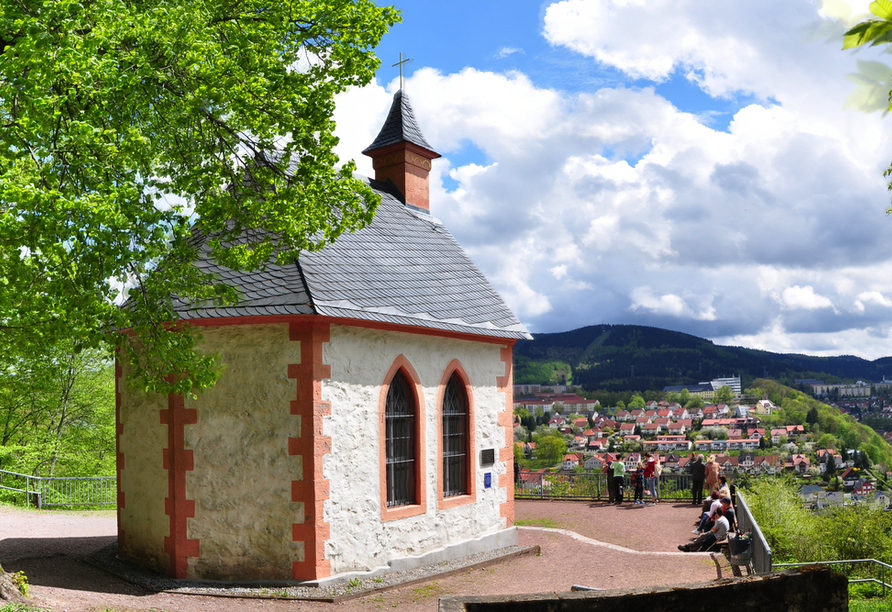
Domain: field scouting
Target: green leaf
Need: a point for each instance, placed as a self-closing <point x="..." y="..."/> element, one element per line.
<point x="881" y="8"/>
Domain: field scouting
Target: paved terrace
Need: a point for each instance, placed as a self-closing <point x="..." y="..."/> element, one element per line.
<point x="582" y="543"/>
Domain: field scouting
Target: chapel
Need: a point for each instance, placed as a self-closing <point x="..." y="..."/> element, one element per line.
<point x="363" y="420"/>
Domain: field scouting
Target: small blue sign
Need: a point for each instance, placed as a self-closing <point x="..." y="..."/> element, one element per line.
<point x="487" y="480"/>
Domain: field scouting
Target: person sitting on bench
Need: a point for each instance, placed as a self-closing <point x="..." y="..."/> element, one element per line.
<point x="705" y="541"/>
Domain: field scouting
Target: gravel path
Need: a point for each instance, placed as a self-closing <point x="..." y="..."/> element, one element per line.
<point x="581" y="543"/>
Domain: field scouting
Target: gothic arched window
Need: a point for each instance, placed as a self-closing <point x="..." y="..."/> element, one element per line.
<point x="455" y="438"/>
<point x="400" y="414"/>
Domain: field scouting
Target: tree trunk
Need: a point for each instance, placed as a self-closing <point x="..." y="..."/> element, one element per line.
<point x="8" y="590"/>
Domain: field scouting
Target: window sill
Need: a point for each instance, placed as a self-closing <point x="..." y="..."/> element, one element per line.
<point x="400" y="512"/>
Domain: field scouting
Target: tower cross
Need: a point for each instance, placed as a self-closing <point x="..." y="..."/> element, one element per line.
<point x="400" y="64"/>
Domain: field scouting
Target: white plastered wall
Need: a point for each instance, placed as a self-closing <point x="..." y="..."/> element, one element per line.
<point x="241" y="483"/>
<point x="359" y="360"/>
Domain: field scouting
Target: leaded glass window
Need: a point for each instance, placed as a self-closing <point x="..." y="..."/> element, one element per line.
<point x="455" y="438"/>
<point x="400" y="433"/>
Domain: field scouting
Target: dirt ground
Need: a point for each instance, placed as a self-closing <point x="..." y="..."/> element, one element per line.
<point x="582" y="543"/>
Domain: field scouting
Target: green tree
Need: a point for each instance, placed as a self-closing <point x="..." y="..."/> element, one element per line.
<point x="862" y="461"/>
<point x="550" y="447"/>
<point x="695" y="402"/>
<point x="124" y="121"/>
<point x="812" y="417"/>
<point x="724" y="395"/>
<point x="831" y="467"/>
<point x="826" y="441"/>
<point x="57" y="413"/>
<point x="519" y="458"/>
<point x="637" y="402"/>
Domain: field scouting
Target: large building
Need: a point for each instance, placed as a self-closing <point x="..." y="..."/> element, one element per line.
<point x="732" y="381"/>
<point x="364" y="415"/>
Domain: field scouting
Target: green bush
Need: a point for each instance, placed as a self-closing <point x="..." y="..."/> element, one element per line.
<point x="798" y="535"/>
<point x="793" y="532"/>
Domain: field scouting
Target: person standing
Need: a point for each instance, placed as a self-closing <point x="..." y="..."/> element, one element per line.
<point x="638" y="483"/>
<point x="608" y="473"/>
<point x="698" y="475"/>
<point x="651" y="467"/>
<point x="712" y="473"/>
<point x="619" y="471"/>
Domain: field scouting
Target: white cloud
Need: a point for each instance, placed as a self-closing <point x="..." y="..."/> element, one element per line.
<point x="804" y="298"/>
<point x="613" y="205"/>
<point x="871" y="297"/>
<point x="559" y="272"/>
<point x="724" y="47"/>
<point x="868" y="343"/>
<point x="643" y="298"/>
<point x="507" y="52"/>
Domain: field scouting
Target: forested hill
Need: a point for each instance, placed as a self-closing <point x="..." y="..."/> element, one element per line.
<point x="605" y="357"/>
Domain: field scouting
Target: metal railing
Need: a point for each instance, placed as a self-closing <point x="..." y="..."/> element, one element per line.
<point x="746" y="522"/>
<point x="66" y="491"/>
<point x="593" y="485"/>
<point x="882" y="567"/>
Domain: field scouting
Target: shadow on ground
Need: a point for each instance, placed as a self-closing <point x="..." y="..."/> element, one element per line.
<point x="59" y="564"/>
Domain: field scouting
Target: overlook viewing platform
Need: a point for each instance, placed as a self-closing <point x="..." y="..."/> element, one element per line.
<point x="587" y="543"/>
<point x="615" y="547"/>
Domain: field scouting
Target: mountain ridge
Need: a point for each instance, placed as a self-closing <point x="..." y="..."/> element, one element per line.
<point x="638" y="357"/>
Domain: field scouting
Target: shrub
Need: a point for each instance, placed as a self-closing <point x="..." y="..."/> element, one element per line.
<point x="797" y="534"/>
<point x="793" y="532"/>
<point x="20" y="580"/>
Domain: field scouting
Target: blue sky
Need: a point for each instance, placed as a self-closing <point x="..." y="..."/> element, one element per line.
<point x="699" y="166"/>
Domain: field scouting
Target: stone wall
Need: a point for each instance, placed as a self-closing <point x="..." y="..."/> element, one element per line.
<point x="241" y="480"/>
<point x="232" y="471"/>
<point x="360" y="359"/>
<point x="808" y="589"/>
<point x="142" y="521"/>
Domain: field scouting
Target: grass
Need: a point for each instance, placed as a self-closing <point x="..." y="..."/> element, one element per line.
<point x="868" y="605"/>
<point x="539" y="522"/>
<point x="427" y="591"/>
<point x="868" y="597"/>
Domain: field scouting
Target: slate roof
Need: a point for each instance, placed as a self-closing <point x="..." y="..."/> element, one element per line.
<point x="400" y="126"/>
<point x="404" y="268"/>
